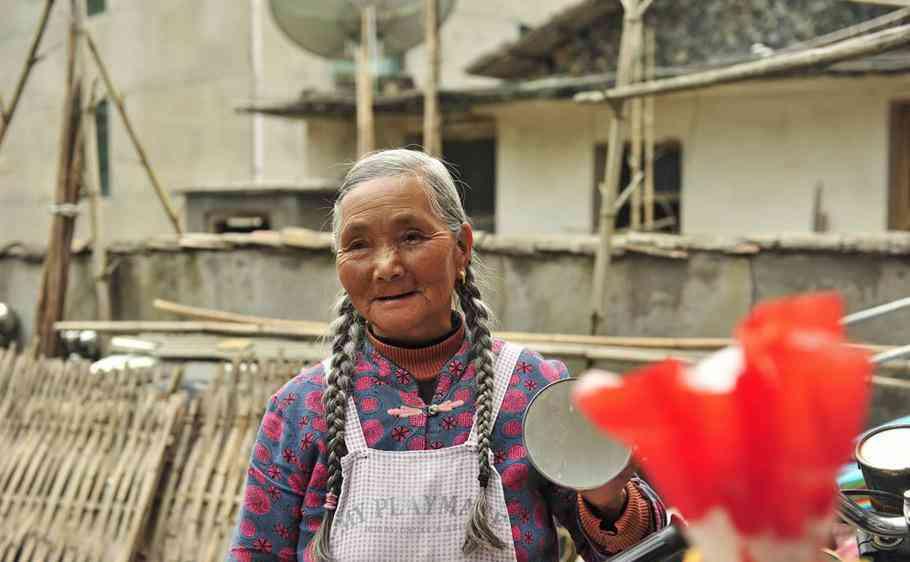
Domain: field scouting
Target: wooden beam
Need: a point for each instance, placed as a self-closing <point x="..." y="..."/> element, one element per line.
<point x="858" y="47"/>
<point x="30" y="61"/>
<point x="121" y="109"/>
<point x="432" y="128"/>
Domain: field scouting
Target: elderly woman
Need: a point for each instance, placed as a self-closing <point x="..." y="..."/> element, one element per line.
<point x="406" y="444"/>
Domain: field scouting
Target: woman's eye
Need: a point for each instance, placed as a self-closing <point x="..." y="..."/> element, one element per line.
<point x="356" y="245"/>
<point x="412" y="237"/>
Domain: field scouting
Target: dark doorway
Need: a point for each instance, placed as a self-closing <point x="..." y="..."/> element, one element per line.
<point x="667" y="186"/>
<point x="472" y="163"/>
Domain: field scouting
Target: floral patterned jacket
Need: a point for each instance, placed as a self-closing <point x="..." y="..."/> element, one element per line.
<point x="286" y="482"/>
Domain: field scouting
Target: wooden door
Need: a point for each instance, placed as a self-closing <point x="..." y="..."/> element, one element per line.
<point x="899" y="189"/>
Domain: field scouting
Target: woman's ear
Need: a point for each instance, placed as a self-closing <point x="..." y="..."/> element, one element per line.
<point x="465" y="241"/>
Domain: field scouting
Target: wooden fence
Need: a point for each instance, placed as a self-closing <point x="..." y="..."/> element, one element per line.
<point x="121" y="466"/>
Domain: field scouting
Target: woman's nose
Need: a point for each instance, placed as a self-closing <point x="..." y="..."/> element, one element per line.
<point x="388" y="265"/>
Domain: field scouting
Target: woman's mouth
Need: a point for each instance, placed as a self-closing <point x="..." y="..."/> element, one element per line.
<point x="396" y="297"/>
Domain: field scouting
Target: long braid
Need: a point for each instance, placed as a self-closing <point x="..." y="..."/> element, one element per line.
<point x="347" y="334"/>
<point x="477" y="316"/>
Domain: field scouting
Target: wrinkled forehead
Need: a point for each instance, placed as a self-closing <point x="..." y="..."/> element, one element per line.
<point x="407" y="191"/>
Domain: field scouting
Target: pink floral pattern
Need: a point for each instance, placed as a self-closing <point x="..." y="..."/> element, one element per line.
<point x="272" y="426"/>
<point x="257" y="501"/>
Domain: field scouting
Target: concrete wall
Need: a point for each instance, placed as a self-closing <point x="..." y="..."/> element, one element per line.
<point x="752" y="157"/>
<point x="702" y="292"/>
<point x="544" y="291"/>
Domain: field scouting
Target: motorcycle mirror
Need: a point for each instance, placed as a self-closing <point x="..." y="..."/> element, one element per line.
<point x="564" y="446"/>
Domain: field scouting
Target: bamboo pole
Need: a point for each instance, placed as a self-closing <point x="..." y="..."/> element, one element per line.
<point x="650" y="56"/>
<point x="862" y="28"/>
<point x="637" y="132"/>
<point x="884" y="2"/>
<point x="432" y="128"/>
<point x="857" y="47"/>
<point x="629" y="46"/>
<point x="366" y="135"/>
<point x="316" y="328"/>
<point x="114" y="96"/>
<point x="51" y="301"/>
<point x="26" y="70"/>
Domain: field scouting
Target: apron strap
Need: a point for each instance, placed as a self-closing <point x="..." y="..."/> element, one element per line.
<point x="353" y="432"/>
<point x="502" y="375"/>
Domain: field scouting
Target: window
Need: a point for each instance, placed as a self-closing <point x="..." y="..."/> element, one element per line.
<point x="667" y="186"/>
<point x="96" y="7"/>
<point x="103" y="134"/>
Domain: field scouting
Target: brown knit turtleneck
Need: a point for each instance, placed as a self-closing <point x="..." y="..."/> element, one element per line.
<point x="424" y="363"/>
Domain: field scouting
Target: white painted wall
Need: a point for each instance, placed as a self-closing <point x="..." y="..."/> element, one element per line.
<point x="544" y="165"/>
<point x="475" y="28"/>
<point x="752" y="162"/>
<point x="751" y="157"/>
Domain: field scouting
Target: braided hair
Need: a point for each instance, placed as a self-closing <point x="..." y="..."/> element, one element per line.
<point x="348" y="330"/>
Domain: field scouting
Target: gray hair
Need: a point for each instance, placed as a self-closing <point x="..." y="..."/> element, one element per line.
<point x="348" y="333"/>
<point x="432" y="173"/>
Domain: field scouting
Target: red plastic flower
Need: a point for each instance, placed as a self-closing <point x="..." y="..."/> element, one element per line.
<point x="747" y="443"/>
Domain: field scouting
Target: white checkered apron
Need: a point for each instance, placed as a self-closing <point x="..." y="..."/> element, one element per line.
<point x="414" y="505"/>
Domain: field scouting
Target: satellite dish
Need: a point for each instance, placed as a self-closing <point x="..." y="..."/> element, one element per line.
<point x="327" y="27"/>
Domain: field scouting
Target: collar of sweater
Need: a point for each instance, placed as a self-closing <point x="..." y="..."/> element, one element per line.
<point x="423" y="362"/>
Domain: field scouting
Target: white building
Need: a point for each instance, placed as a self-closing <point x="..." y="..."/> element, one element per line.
<point x="226" y="104"/>
<point x="183" y="66"/>
<point x="756" y="157"/>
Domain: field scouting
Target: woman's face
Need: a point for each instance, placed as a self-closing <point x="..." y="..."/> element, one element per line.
<point x="397" y="260"/>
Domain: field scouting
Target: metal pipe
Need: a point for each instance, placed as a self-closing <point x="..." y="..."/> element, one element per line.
<point x="891" y="354"/>
<point x="875" y="311"/>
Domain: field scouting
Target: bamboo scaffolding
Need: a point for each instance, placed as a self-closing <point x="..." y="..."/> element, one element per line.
<point x="648" y="119"/>
<point x="114" y="96"/>
<point x="636" y="152"/>
<point x="432" y="128"/>
<point x="857" y="47"/>
<point x="30" y="61"/>
<point x="630" y="46"/>
<point x="52" y="296"/>
<point x="366" y="134"/>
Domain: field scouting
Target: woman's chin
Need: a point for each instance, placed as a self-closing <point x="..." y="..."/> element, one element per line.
<point x="405" y="327"/>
